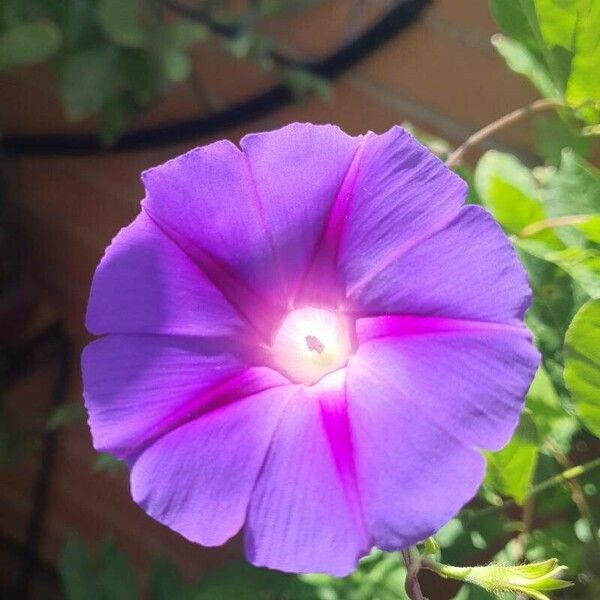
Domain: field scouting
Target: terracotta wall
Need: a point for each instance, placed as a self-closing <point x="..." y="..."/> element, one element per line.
<point x="441" y="74"/>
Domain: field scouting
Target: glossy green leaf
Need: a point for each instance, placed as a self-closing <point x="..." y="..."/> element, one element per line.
<point x="29" y="43"/>
<point x="120" y="21"/>
<point x="511" y="470"/>
<point x="582" y="364"/>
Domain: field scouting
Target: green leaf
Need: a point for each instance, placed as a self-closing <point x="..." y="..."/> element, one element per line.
<point x="86" y="81"/>
<point x="166" y="581"/>
<point x="115" y="574"/>
<point x="584" y="81"/>
<point x="67" y="414"/>
<point x="119" y="19"/>
<point x="182" y="34"/>
<point x="29" y="43"/>
<point x="511" y="470"/>
<point x="241" y="581"/>
<point x="520" y="59"/>
<point x="176" y="64"/>
<point x="540" y="30"/>
<point x="77" y="575"/>
<point x="582" y="364"/>
<point x="583" y="265"/>
<point x="518" y="19"/>
<point x="508" y="190"/>
<point x="547" y="412"/>
<point x="557" y="21"/>
<point x="107" y="462"/>
<point x="573" y="190"/>
<point x="302" y="82"/>
<point x="113" y="118"/>
<point x="552" y="134"/>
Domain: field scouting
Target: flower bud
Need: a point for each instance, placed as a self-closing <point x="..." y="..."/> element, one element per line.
<point x="533" y="579"/>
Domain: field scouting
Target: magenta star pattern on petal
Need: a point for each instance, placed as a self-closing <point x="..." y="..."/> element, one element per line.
<point x="310" y="338"/>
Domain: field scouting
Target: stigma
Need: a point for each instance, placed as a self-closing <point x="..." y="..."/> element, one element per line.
<point x="310" y="343"/>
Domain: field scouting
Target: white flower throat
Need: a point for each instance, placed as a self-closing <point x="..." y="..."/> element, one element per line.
<point x="310" y="343"/>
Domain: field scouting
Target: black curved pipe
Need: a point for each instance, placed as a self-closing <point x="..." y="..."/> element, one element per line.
<point x="394" y="21"/>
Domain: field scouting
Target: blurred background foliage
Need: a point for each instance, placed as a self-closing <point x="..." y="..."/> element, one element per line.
<point x="114" y="58"/>
<point x="541" y="494"/>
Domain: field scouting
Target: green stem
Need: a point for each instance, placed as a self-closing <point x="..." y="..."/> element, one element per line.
<point x="446" y="571"/>
<point x="563" y="477"/>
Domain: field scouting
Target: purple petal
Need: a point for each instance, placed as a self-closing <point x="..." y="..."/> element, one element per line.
<point x="258" y="212"/>
<point x="304" y="515"/>
<point x="137" y="387"/>
<point x="469" y="376"/>
<point x="466" y="270"/>
<point x="146" y="284"/>
<point x="197" y="479"/>
<point x="402" y="193"/>
<point x="413" y="474"/>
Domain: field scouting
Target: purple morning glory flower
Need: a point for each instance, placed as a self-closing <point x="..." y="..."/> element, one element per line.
<point x="310" y="338"/>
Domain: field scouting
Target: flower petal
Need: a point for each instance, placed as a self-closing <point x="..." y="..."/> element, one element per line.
<point x="197" y="479"/>
<point x="466" y="270"/>
<point x="259" y="212"/>
<point x="471" y="376"/>
<point x="146" y="284"/>
<point x="138" y="387"/>
<point x="412" y="474"/>
<point x="402" y="193"/>
<point x="303" y="516"/>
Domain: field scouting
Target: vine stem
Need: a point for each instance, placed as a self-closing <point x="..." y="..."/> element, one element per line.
<point x="578" y="494"/>
<point x="413" y="566"/>
<point x="505" y="121"/>
<point x="538" y="226"/>
<point x="563" y="477"/>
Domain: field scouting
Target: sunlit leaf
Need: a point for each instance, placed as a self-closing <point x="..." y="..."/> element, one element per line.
<point x="523" y="61"/>
<point x="584" y="81"/>
<point x="508" y="190"/>
<point x="582" y="364"/>
<point x="510" y="470"/>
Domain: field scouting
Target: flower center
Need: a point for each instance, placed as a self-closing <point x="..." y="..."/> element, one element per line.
<point x="310" y="343"/>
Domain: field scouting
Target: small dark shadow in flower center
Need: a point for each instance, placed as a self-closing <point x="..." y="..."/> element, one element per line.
<point x="314" y="344"/>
